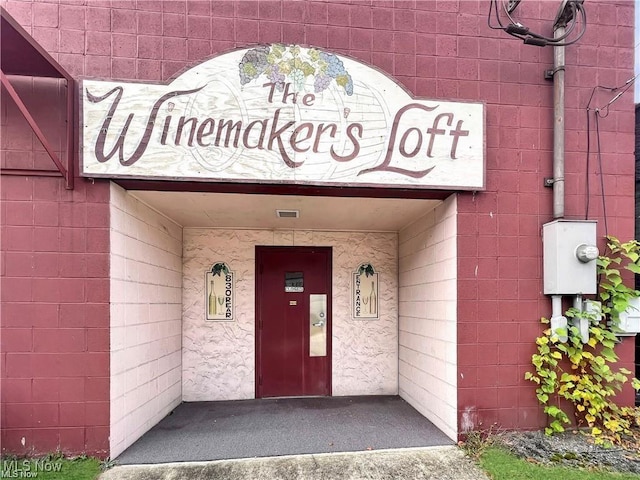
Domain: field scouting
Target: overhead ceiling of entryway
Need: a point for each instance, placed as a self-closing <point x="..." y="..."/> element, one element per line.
<point x="231" y="210"/>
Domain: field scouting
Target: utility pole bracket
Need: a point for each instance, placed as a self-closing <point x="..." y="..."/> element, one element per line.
<point x="548" y="74"/>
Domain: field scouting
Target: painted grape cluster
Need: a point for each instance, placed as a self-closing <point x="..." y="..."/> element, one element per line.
<point x="280" y="64"/>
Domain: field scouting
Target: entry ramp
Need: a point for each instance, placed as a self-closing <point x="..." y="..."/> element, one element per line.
<point x="429" y="463"/>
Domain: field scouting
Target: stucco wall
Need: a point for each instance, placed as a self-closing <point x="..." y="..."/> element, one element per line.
<point x="219" y="357"/>
<point x="428" y="295"/>
<point x="146" y="283"/>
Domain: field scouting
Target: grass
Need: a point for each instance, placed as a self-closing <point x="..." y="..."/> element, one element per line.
<point x="501" y="465"/>
<point x="52" y="467"/>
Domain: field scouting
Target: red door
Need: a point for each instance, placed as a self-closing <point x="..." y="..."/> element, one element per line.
<point x="293" y="321"/>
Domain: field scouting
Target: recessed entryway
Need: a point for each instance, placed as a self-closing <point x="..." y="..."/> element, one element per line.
<point x="408" y="349"/>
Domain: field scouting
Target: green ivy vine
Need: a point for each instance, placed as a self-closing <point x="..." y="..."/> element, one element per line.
<point x="583" y="375"/>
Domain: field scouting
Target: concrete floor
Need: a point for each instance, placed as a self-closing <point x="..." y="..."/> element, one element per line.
<point x="428" y="463"/>
<point x="202" y="431"/>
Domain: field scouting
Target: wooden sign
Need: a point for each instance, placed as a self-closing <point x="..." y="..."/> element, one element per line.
<point x="219" y="293"/>
<point x="365" y="300"/>
<point x="281" y="114"/>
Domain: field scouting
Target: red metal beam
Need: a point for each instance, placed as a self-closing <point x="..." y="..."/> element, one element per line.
<point x="26" y="172"/>
<point x="21" y="55"/>
<point x="67" y="173"/>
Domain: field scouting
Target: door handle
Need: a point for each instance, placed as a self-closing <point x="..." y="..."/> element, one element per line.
<point x="318" y="325"/>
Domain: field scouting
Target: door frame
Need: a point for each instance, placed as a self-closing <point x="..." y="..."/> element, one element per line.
<point x="328" y="254"/>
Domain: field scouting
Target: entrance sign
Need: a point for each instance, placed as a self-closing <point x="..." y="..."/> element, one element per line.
<point x="281" y="114"/>
<point x="364" y="291"/>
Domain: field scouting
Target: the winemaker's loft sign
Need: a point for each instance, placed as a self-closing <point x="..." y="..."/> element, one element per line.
<point x="281" y="114"/>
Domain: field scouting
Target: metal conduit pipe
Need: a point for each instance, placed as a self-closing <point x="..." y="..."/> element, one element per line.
<point x="558" y="124"/>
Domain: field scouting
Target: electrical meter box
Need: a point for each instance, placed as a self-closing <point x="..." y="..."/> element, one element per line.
<point x="630" y="319"/>
<point x="569" y="255"/>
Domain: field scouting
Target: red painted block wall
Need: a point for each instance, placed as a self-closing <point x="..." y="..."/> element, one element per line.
<point x="500" y="301"/>
<point x="54" y="318"/>
<point x="436" y="49"/>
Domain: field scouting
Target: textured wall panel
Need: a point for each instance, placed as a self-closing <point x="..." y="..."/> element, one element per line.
<point x="219" y="357"/>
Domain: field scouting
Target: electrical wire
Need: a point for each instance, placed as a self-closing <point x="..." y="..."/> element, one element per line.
<point x="505" y="7"/>
<point x="518" y="30"/>
<point x="598" y="115"/>
<point x="626" y="86"/>
<point x="598" y="154"/>
<point x="602" y="194"/>
<point x="587" y="183"/>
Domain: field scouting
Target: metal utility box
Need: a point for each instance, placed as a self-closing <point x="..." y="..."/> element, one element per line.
<point x="630" y="319"/>
<point x="567" y="269"/>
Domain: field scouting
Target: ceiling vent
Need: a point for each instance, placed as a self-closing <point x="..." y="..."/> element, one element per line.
<point x="288" y="213"/>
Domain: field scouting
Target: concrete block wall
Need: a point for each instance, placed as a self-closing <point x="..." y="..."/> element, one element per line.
<point x="500" y="300"/>
<point x="54" y="264"/>
<point x="436" y="49"/>
<point x="146" y="318"/>
<point x="427" y="316"/>
<point x="54" y="350"/>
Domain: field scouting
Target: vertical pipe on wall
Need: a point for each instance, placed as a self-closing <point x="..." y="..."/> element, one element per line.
<point x="582" y="324"/>
<point x="558" y="321"/>
<point x="558" y="125"/>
